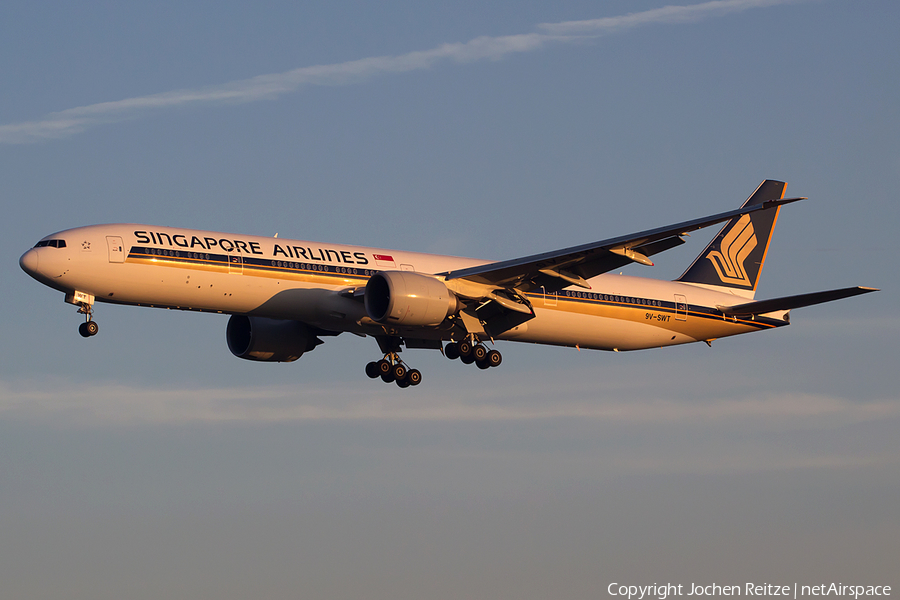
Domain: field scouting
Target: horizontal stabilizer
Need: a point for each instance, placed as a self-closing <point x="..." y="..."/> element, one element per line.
<point x="789" y="302"/>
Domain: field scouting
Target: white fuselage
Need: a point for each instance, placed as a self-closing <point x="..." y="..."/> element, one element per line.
<point x="313" y="283"/>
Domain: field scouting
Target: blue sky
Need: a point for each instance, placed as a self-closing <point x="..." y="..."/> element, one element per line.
<point x="149" y="462"/>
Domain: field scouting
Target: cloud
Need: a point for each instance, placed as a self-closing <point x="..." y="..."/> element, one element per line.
<point x="115" y="404"/>
<point x="587" y="424"/>
<point x="71" y="121"/>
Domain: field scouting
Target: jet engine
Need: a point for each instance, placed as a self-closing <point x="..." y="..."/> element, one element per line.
<point x="269" y="340"/>
<point x="408" y="298"/>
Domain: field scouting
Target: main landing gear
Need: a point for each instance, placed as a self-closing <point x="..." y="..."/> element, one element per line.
<point x="391" y="368"/>
<point x="89" y="328"/>
<point x="470" y="352"/>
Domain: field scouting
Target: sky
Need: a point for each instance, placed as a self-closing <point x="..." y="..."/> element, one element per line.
<point x="149" y="462"/>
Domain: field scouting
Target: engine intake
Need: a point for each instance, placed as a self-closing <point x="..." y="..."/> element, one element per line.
<point x="407" y="298"/>
<point x="268" y="340"/>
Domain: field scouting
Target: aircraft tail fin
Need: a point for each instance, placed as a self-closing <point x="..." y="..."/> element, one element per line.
<point x="735" y="257"/>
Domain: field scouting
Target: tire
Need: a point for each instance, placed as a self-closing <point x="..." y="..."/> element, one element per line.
<point x="465" y="349"/>
<point x="469" y="359"/>
<point x="384" y="367"/>
<point x="402" y="383"/>
<point x="494" y="358"/>
<point x="372" y="370"/>
<point x="414" y="377"/>
<point x="482" y="364"/>
<point x="82" y="329"/>
<point x="451" y="351"/>
<point x="479" y="352"/>
<point x="398" y="372"/>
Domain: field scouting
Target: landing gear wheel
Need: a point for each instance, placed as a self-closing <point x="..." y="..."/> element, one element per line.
<point x="451" y="351"/>
<point x="493" y="358"/>
<point x="402" y="383"/>
<point x="372" y="370"/>
<point x="482" y="364"/>
<point x="398" y="372"/>
<point x="479" y="352"/>
<point x="414" y="377"/>
<point x="385" y="369"/>
<point x="465" y="349"/>
<point x="467" y="359"/>
<point x="88" y="329"/>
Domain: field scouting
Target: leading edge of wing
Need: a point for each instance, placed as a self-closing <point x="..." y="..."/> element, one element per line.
<point x="508" y="271"/>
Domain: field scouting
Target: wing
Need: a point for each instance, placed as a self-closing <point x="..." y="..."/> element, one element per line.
<point x="574" y="266"/>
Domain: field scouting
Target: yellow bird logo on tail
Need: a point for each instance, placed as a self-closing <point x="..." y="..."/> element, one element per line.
<point x="735" y="247"/>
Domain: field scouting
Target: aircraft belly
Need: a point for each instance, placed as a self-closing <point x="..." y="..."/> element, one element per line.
<point x="604" y="327"/>
<point x="563" y="328"/>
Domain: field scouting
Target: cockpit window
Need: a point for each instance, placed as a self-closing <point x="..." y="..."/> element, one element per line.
<point x="51" y="243"/>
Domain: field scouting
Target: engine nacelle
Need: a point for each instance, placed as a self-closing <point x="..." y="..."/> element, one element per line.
<point x="408" y="298"/>
<point x="269" y="340"/>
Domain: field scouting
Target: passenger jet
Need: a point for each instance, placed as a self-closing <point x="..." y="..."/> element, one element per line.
<point x="285" y="295"/>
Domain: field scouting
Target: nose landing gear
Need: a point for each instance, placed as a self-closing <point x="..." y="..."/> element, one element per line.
<point x="85" y="304"/>
<point x="89" y="328"/>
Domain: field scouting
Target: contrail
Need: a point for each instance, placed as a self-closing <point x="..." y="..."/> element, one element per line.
<point x="68" y="122"/>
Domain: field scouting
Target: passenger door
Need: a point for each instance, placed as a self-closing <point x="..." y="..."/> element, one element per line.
<point x="116" y="249"/>
<point x="680" y="308"/>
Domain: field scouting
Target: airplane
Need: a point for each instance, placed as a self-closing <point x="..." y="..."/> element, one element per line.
<point x="285" y="295"/>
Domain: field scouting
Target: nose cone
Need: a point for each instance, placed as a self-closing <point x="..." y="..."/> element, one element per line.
<point x="29" y="262"/>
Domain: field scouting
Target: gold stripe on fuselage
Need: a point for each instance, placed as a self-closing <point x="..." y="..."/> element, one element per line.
<point x="696" y="323"/>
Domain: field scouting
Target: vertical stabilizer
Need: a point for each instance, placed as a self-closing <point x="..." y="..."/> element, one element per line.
<point x="735" y="257"/>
